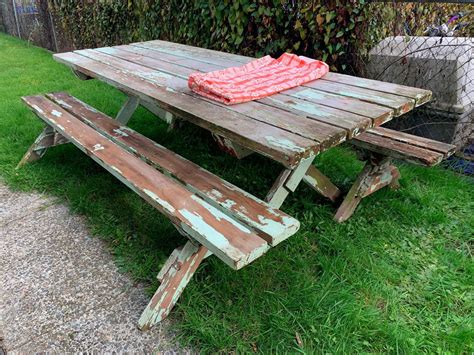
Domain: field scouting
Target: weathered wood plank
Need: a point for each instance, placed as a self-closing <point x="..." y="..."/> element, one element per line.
<point x="399" y="104"/>
<point x="351" y="123"/>
<point x="430" y="144"/>
<point x="324" y="133"/>
<point x="396" y="149"/>
<point x="320" y="99"/>
<point x="233" y="242"/>
<point x="268" y="140"/>
<point x="272" y="225"/>
<point x="421" y="96"/>
<point x="345" y="105"/>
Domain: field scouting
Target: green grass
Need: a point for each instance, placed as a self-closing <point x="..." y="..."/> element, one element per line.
<point x="398" y="276"/>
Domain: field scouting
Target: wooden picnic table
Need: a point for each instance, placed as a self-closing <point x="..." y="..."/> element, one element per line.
<point x="291" y="127"/>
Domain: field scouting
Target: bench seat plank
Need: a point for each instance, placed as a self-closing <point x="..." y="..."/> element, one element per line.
<point x="397" y="149"/>
<point x="233" y="242"/>
<point x="268" y="140"/>
<point x="430" y="144"/>
<point x="272" y="225"/>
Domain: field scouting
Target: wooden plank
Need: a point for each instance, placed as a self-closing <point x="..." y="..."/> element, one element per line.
<point x="233" y="242"/>
<point x="398" y="150"/>
<point x="202" y="54"/>
<point x="326" y="134"/>
<point x="321" y="99"/>
<point x="272" y="225"/>
<point x="268" y="140"/>
<point x="430" y="144"/>
<point x="352" y="123"/>
<point x="398" y="104"/>
<point x="421" y="96"/>
<point x="345" y="105"/>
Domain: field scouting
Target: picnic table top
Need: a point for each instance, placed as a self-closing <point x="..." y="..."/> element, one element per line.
<point x="287" y="127"/>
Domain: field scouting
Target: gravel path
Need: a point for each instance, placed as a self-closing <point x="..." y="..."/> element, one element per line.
<point x="59" y="288"/>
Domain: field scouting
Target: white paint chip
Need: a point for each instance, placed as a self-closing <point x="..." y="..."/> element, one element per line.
<point x="284" y="143"/>
<point x="98" y="147"/>
<point x="56" y="113"/>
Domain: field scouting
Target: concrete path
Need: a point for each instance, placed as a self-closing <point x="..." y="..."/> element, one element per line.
<point x="59" y="288"/>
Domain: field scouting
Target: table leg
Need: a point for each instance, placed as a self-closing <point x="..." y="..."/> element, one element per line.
<point x="127" y="110"/>
<point x="377" y="173"/>
<point x="174" y="276"/>
<point x="321" y="184"/>
<point x="47" y="138"/>
<point x="168" y="117"/>
<point x="287" y="182"/>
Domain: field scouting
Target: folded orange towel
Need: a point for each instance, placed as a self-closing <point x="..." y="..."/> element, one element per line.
<point x="259" y="78"/>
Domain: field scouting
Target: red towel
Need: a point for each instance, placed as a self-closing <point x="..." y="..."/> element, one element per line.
<point x="259" y="78"/>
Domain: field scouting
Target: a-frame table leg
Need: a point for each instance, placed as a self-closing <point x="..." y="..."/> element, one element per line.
<point x="47" y="138"/>
<point x="174" y="276"/>
<point x="287" y="182"/>
<point x="321" y="184"/>
<point x="127" y="110"/>
<point x="377" y="173"/>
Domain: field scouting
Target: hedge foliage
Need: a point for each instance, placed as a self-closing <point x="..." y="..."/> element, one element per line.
<point x="339" y="32"/>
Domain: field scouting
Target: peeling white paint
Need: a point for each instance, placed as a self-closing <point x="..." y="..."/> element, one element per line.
<point x="37" y="108"/>
<point x="220" y="215"/>
<point x="215" y="194"/>
<point x="63" y="103"/>
<point x="165" y="204"/>
<point x="116" y="169"/>
<point x="97" y="147"/>
<point x="284" y="143"/>
<point x="228" y="204"/>
<point x="214" y="237"/>
<point x="56" y="113"/>
<point x="120" y="132"/>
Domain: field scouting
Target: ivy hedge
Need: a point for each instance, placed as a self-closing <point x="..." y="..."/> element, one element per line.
<point x="338" y="32"/>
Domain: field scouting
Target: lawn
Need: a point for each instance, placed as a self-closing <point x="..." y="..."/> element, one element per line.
<point x="398" y="276"/>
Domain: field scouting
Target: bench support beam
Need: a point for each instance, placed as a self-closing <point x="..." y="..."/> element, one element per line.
<point x="174" y="276"/>
<point x="231" y="147"/>
<point x="168" y="117"/>
<point x="48" y="138"/>
<point x="321" y="184"/>
<point x="377" y="173"/>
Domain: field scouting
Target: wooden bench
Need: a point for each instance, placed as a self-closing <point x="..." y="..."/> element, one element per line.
<point x="378" y="147"/>
<point x="216" y="216"/>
